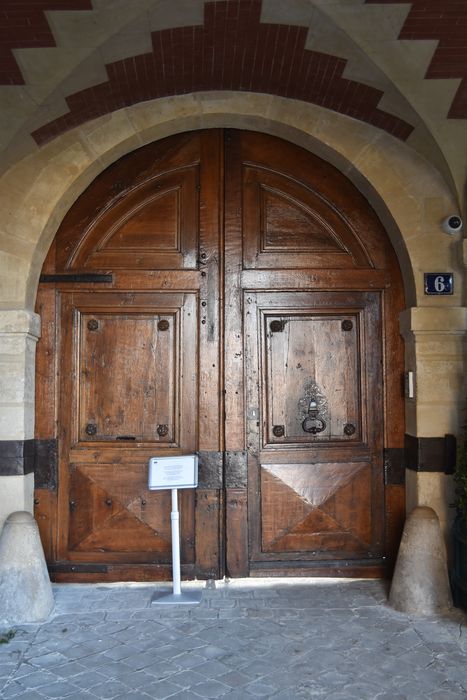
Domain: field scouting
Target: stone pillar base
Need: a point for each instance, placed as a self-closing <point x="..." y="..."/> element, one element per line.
<point x="26" y="592"/>
<point x="420" y="584"/>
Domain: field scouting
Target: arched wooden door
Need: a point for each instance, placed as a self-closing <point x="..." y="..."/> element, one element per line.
<point x="226" y="293"/>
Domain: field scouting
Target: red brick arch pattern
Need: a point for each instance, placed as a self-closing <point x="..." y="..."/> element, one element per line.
<point x="232" y="50"/>
<point x="446" y="22"/>
<point x="23" y="25"/>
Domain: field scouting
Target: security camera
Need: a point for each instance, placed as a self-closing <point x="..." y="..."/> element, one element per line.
<point x="452" y="224"/>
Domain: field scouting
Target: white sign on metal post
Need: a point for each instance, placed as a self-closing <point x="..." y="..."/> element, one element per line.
<point x="174" y="473"/>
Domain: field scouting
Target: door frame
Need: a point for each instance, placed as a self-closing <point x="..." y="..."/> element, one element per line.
<point x="226" y="450"/>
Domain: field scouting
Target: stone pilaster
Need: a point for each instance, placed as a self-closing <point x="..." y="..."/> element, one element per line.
<point x="19" y="331"/>
<point x="435" y="352"/>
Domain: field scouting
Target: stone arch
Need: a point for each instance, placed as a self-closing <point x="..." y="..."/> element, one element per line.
<point x="408" y="194"/>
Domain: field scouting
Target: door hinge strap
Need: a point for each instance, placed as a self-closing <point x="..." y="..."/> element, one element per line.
<point x="69" y="568"/>
<point x="94" y="277"/>
<point x="394" y="466"/>
<point x="222" y="469"/>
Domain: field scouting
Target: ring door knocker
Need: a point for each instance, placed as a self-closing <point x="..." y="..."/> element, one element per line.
<point x="313" y="423"/>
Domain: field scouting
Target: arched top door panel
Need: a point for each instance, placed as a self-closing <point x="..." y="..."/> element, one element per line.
<point x="300" y="212"/>
<point x="287" y="224"/>
<point x="142" y="213"/>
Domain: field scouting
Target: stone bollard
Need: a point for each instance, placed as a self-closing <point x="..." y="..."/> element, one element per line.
<point x="420" y="584"/>
<point x="25" y="589"/>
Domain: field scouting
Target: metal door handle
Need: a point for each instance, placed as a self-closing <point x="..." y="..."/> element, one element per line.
<point x="313" y="423"/>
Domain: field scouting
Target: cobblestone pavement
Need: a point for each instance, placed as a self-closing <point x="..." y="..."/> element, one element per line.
<point x="255" y="638"/>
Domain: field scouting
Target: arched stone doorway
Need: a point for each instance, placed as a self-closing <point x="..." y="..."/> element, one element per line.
<point x="260" y="282"/>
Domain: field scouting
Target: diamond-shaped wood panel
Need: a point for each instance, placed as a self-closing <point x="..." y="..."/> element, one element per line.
<point x="320" y="507"/>
<point x="106" y="517"/>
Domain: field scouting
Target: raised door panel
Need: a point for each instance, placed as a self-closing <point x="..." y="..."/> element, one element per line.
<point x="134" y="377"/>
<point x="128" y="391"/>
<point x="141" y="213"/>
<point x="289" y="224"/>
<point x="311" y="377"/>
<point x="153" y="226"/>
<point x="119" y="400"/>
<point x="114" y="517"/>
<point x="315" y="466"/>
<point x="317" y="508"/>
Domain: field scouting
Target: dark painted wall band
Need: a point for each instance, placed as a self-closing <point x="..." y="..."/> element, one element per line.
<point x="426" y="454"/>
<point x="421" y="454"/>
<point x="21" y="457"/>
<point x="16" y="457"/>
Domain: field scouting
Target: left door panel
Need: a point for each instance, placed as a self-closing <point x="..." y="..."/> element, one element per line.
<point x="127" y="391"/>
<point x="128" y="366"/>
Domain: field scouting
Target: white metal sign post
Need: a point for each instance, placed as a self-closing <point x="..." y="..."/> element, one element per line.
<point x="174" y="473"/>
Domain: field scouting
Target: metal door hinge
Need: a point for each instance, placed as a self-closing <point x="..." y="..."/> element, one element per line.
<point x="92" y="277"/>
<point x="65" y="568"/>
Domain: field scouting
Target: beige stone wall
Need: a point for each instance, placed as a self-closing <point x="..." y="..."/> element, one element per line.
<point x="19" y="331"/>
<point x="409" y="195"/>
<point x="435" y="351"/>
<point x="17" y="493"/>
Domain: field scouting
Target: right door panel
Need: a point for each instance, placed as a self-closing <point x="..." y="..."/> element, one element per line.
<point x="315" y="469"/>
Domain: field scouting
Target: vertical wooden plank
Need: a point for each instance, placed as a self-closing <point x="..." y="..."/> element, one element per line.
<point x="189" y="379"/>
<point x="209" y="502"/>
<point x="45" y="501"/>
<point x="67" y="426"/>
<point x="236" y="509"/>
<point x="257" y="418"/>
<point x="211" y="293"/>
<point x="208" y="533"/>
<point x="45" y="423"/>
<point x="234" y="361"/>
<point x="45" y="509"/>
<point x="393" y="304"/>
<point x="236" y="535"/>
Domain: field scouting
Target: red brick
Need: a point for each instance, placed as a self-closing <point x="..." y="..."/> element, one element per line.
<point x="231" y="51"/>
<point x="23" y="24"/>
<point x="445" y="22"/>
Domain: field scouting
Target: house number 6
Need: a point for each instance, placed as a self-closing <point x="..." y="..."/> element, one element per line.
<point x="439" y="283"/>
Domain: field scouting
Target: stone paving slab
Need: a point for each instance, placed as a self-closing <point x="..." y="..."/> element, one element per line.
<point x="248" y="638"/>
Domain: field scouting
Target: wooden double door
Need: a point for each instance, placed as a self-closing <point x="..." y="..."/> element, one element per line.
<point x="230" y="294"/>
